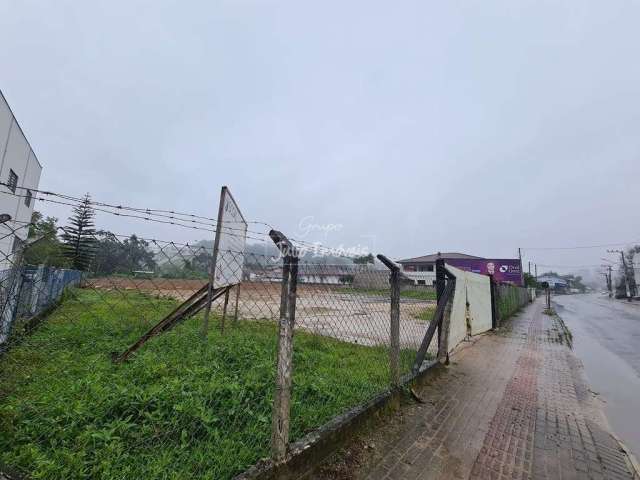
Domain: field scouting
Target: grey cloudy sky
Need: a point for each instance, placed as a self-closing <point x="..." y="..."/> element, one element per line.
<point x="475" y="126"/>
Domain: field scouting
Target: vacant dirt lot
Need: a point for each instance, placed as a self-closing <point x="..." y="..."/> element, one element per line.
<point x="327" y="310"/>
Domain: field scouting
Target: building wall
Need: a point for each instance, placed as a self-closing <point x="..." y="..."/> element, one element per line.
<point x="321" y="279"/>
<point x="421" y="278"/>
<point x="15" y="154"/>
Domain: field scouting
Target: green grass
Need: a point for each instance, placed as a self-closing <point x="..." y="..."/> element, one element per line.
<point x="183" y="407"/>
<point x="425" y="314"/>
<point x="509" y="301"/>
<point x="381" y="292"/>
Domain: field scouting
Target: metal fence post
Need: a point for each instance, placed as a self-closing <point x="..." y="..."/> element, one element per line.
<point x="394" y="331"/>
<point x="235" y="315"/>
<point x="282" y="396"/>
<point x="394" y="351"/>
<point x="440" y="286"/>
<point x="224" y="310"/>
<point x="494" y="304"/>
<point x="444" y="324"/>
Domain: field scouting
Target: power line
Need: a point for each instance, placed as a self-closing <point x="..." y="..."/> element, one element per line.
<point x="168" y="217"/>
<point x="568" y="266"/>
<point x="582" y="246"/>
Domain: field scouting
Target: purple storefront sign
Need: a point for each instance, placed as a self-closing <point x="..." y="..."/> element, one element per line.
<point x="503" y="270"/>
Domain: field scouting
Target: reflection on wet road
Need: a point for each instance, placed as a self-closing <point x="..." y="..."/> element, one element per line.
<point x="606" y="338"/>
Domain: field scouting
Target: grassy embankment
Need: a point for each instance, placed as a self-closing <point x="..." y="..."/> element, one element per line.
<point x="183" y="407"/>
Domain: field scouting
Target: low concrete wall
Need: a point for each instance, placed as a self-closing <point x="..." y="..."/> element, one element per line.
<point x="373" y="279"/>
<point x="309" y="452"/>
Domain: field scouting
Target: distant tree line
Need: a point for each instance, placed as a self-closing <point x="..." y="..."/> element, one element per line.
<point x="79" y="246"/>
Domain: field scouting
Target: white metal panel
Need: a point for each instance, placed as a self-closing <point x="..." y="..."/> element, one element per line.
<point x="479" y="300"/>
<point x="5" y="124"/>
<point x="471" y="309"/>
<point x="458" y="320"/>
<point x="230" y="242"/>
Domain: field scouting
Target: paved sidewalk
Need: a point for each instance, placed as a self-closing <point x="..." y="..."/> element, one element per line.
<point x="512" y="405"/>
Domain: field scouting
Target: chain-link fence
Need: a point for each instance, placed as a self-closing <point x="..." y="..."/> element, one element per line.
<point x="109" y="370"/>
<point x="510" y="299"/>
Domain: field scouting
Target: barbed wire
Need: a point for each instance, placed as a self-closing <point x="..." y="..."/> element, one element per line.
<point x="125" y="207"/>
<point x="227" y="230"/>
<point x="158" y="216"/>
<point x="149" y="211"/>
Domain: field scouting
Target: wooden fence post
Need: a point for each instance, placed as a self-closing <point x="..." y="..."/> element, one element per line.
<point x="282" y="396"/>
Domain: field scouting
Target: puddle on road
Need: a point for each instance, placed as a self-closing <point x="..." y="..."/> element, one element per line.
<point x="609" y="375"/>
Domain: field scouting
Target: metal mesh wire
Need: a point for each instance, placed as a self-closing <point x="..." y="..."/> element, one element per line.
<point x="183" y="405"/>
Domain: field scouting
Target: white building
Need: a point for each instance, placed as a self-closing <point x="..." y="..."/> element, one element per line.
<point x="422" y="270"/>
<point x="19" y="175"/>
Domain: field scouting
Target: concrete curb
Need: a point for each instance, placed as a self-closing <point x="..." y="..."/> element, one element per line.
<point x="632" y="462"/>
<point x="307" y="453"/>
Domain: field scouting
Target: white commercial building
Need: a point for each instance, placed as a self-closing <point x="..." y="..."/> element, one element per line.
<point x="19" y="178"/>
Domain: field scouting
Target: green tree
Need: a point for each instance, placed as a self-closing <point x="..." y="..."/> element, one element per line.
<point x="198" y="264"/>
<point x="114" y="256"/>
<point x="364" y="259"/>
<point x="138" y="255"/>
<point x="79" y="236"/>
<point x="45" y="248"/>
<point x="530" y="280"/>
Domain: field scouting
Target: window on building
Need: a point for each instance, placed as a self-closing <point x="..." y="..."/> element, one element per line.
<point x="13" y="181"/>
<point x="429" y="268"/>
<point x="27" y="198"/>
<point x="422" y="282"/>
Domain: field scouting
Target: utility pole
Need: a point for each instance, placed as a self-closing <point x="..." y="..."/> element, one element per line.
<point x="607" y="277"/>
<point x="625" y="271"/>
<point x="536" y="267"/>
<point x="521" y="271"/>
<point x="529" y="268"/>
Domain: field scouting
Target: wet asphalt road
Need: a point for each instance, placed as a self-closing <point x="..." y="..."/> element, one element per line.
<point x="606" y="338"/>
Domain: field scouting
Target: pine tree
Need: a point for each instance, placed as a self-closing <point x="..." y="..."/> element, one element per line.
<point x="79" y="237"/>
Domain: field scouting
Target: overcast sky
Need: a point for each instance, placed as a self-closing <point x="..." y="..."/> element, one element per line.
<point x="414" y="127"/>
